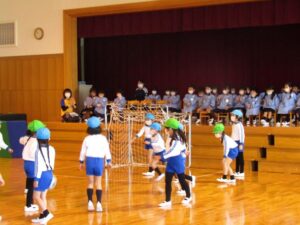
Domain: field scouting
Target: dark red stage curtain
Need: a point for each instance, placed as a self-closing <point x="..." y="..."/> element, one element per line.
<point x="266" y="13"/>
<point x="235" y="57"/>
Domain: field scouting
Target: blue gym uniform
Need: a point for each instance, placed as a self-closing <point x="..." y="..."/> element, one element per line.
<point x="231" y="149"/>
<point x="254" y="106"/>
<point x="208" y="101"/>
<point x="95" y="148"/>
<point x="270" y="102"/>
<point x="28" y="154"/>
<point x="239" y="101"/>
<point x="120" y="103"/>
<point x="175" y="161"/>
<point x="224" y="102"/>
<point x="287" y="102"/>
<point x="100" y="105"/>
<point x="238" y="134"/>
<point x="174" y="102"/>
<point x="146" y="132"/>
<point x="44" y="165"/>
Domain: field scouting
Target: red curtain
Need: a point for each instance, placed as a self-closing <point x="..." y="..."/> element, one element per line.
<point x="236" y="57"/>
<point x="266" y="13"/>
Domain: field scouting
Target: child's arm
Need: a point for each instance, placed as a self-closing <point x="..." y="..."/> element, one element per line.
<point x="2" y="182"/>
<point x="4" y="146"/>
<point x="37" y="168"/>
<point x="107" y="154"/>
<point x="82" y="154"/>
<point x="139" y="134"/>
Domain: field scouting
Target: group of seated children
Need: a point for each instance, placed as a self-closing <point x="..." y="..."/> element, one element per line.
<point x="254" y="105"/>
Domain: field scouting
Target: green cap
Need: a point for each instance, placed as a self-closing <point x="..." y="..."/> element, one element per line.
<point x="35" y="125"/>
<point x="218" y="128"/>
<point x="172" y="123"/>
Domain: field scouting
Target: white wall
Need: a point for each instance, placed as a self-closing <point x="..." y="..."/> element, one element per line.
<point x="47" y="14"/>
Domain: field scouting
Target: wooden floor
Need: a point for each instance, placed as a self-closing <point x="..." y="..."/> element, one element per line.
<point x="128" y="198"/>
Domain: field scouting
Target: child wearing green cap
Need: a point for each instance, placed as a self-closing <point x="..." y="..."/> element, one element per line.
<point x="175" y="144"/>
<point x="231" y="151"/>
<point x="30" y="144"/>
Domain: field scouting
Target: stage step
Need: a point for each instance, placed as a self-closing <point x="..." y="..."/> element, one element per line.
<point x="279" y="167"/>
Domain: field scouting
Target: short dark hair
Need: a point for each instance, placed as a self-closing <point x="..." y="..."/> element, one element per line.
<point x="67" y="90"/>
<point x="94" y="131"/>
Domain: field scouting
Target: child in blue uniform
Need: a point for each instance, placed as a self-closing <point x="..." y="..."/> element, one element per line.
<point x="174" y="102"/>
<point x="158" y="146"/>
<point x="154" y="97"/>
<point x="238" y="135"/>
<point x="175" y="164"/>
<point x="240" y="100"/>
<point x="252" y="104"/>
<point x="297" y="109"/>
<point x="286" y="105"/>
<point x="44" y="165"/>
<point x="190" y="101"/>
<point x="270" y="103"/>
<point x="146" y="131"/>
<point x="89" y="104"/>
<point x="100" y="105"/>
<point x="224" y="102"/>
<point x="231" y="151"/>
<point x="120" y="101"/>
<point x="30" y="146"/>
<point x="95" y="149"/>
<point x="208" y="104"/>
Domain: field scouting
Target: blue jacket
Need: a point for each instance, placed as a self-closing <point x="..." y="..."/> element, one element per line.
<point x="190" y="102"/>
<point x="239" y="101"/>
<point x="254" y="104"/>
<point x="174" y="102"/>
<point x="286" y="103"/>
<point x="100" y="105"/>
<point x="208" y="101"/>
<point x="270" y="102"/>
<point x="224" y="101"/>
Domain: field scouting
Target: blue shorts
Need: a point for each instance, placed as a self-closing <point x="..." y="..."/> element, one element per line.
<point x="176" y="165"/>
<point x="29" y="169"/>
<point x="161" y="154"/>
<point x="233" y="153"/>
<point x="239" y="143"/>
<point x="94" y="166"/>
<point x="45" y="181"/>
<point x="148" y="146"/>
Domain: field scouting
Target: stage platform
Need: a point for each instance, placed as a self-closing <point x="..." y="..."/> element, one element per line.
<point x="283" y="156"/>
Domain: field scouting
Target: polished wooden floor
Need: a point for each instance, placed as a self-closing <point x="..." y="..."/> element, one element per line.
<point x="128" y="198"/>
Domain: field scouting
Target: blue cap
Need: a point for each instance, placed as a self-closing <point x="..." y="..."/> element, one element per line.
<point x="156" y="126"/>
<point x="237" y="113"/>
<point x="93" y="122"/>
<point x="180" y="127"/>
<point x="43" y="134"/>
<point x="150" y="116"/>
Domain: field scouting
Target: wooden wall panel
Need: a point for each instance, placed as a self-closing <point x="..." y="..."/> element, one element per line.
<point x="32" y="85"/>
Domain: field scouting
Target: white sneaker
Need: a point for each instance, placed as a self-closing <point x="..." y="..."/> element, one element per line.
<point x="236" y="174"/>
<point x="248" y="123"/>
<point x="165" y="204"/>
<point x="239" y="175"/>
<point x="186" y="200"/>
<point x="37" y="220"/>
<point x="25" y="191"/>
<point x="149" y="174"/>
<point x="160" y="177"/>
<point x="254" y="122"/>
<point x="262" y="121"/>
<point x="32" y="208"/>
<point x="231" y="181"/>
<point x="278" y="124"/>
<point x="91" y="206"/>
<point x="210" y="122"/>
<point x="99" y="207"/>
<point x="198" y="121"/>
<point x="222" y="180"/>
<point x="46" y="219"/>
<point x="266" y="124"/>
<point x="181" y="192"/>
<point x="193" y="181"/>
<point x="285" y="124"/>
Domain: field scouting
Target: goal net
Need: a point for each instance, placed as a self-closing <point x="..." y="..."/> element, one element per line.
<point x="124" y="125"/>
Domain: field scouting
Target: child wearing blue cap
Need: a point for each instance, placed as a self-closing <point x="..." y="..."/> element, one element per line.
<point x="145" y="130"/>
<point x="238" y="135"/>
<point x="44" y="165"/>
<point x="158" y="146"/>
<point x="95" y="148"/>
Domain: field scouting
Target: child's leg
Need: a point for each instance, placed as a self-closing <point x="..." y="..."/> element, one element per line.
<point x="184" y="184"/>
<point x="37" y="195"/>
<point x="150" y="155"/>
<point x="154" y="165"/>
<point x="98" y="184"/>
<point x="168" y="186"/>
<point x="188" y="177"/>
<point x="228" y="162"/>
<point x="90" y="188"/>
<point x="242" y="162"/>
<point x="29" y="195"/>
<point x="237" y="164"/>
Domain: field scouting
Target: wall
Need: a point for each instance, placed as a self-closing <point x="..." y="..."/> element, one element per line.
<point x="47" y="14"/>
<point x="32" y="73"/>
